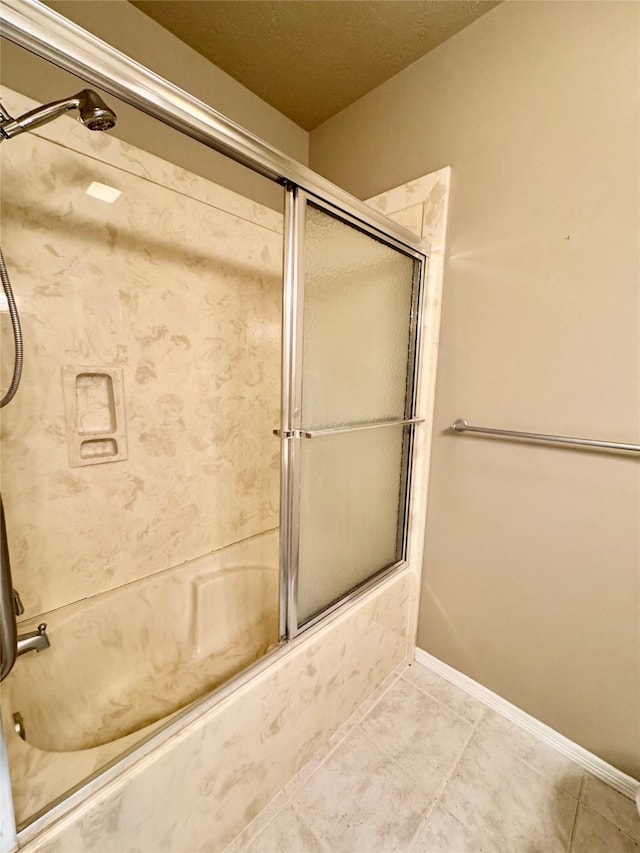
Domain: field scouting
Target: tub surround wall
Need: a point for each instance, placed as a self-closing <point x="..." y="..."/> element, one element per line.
<point x="233" y="760"/>
<point x="177" y="286"/>
<point x="187" y="630"/>
<point x="199" y="789"/>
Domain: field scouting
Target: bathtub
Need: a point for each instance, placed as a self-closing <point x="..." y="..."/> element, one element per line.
<point x="122" y="663"/>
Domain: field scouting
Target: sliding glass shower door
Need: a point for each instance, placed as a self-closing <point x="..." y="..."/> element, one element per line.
<point x="353" y="299"/>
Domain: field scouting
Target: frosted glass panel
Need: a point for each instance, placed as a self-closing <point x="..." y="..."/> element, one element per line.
<point x="349" y="513"/>
<point x="357" y="325"/>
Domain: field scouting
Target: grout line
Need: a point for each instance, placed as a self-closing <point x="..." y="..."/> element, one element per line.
<point x="291" y="789"/>
<point x="254" y="835"/>
<point x="423" y="824"/>
<point x="308" y="821"/>
<point x="362" y="712"/>
<point x="445" y="782"/>
<point x="455" y="764"/>
<point x="543" y="774"/>
<point x="592" y="809"/>
<point x="436" y="801"/>
<point x="303" y="817"/>
<point x="454" y="768"/>
<point x="578" y="807"/>
<point x="583" y="785"/>
<point x="585" y="760"/>
<point x="376" y="697"/>
<point x="444" y="704"/>
<point x="288" y="803"/>
<point x="622" y="832"/>
<point x="390" y="754"/>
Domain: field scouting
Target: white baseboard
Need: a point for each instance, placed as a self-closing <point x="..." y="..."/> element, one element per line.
<point x="582" y="757"/>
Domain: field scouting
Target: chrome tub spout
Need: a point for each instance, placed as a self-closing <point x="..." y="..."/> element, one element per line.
<point x="34" y="641"/>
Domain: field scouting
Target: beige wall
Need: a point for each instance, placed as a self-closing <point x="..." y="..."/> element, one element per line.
<point x="131" y="31"/>
<point x="532" y="553"/>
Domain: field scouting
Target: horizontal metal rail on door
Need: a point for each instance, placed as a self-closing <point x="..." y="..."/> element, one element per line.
<point x="320" y="433"/>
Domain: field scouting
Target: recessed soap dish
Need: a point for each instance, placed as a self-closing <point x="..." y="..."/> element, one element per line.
<point x="94" y="448"/>
<point x="94" y="408"/>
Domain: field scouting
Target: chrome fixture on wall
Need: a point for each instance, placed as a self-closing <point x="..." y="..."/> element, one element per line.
<point x="8" y="606"/>
<point x="93" y="113"/>
<point x="33" y="641"/>
<point x="17" y="334"/>
<point x="461" y="425"/>
<point x="13" y="644"/>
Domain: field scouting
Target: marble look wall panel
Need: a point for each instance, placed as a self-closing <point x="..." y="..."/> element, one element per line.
<point x="183" y="297"/>
<point x="199" y="789"/>
<point x="69" y="133"/>
<point x="187" y="631"/>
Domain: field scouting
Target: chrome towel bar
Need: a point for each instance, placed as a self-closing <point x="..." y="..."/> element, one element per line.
<point x="462" y="426"/>
<point x="319" y="433"/>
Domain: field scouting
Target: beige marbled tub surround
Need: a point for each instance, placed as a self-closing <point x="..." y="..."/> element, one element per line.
<point x="241" y="751"/>
<point x="177" y="285"/>
<point x="200" y="788"/>
<point x="248" y="730"/>
<point x="107" y="682"/>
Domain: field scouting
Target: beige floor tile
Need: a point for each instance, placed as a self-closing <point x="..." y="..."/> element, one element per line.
<point x="444" y="834"/>
<point x="287" y="833"/>
<point x="343" y="732"/>
<point x="457" y="700"/>
<point x="496" y="732"/>
<point x="613" y="806"/>
<point x="500" y="798"/>
<point x="360" y="801"/>
<point x="424" y="737"/>
<point x="594" y="834"/>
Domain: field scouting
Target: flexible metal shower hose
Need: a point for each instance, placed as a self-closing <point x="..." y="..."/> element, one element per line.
<point x="17" y="334"/>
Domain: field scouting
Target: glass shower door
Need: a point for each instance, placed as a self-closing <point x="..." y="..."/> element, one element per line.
<point x="347" y="443"/>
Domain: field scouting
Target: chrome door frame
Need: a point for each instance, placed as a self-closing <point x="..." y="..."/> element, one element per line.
<point x="292" y="331"/>
<point x="291" y="431"/>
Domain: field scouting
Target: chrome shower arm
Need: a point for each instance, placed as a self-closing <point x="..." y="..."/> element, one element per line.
<point x="11" y="127"/>
<point x="4" y="115"/>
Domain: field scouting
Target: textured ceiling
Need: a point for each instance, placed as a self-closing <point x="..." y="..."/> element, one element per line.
<point x="311" y="58"/>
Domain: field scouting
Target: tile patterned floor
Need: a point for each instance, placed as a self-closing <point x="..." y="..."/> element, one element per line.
<point x="426" y="768"/>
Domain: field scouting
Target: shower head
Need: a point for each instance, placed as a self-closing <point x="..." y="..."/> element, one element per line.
<point x="93" y="113"/>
